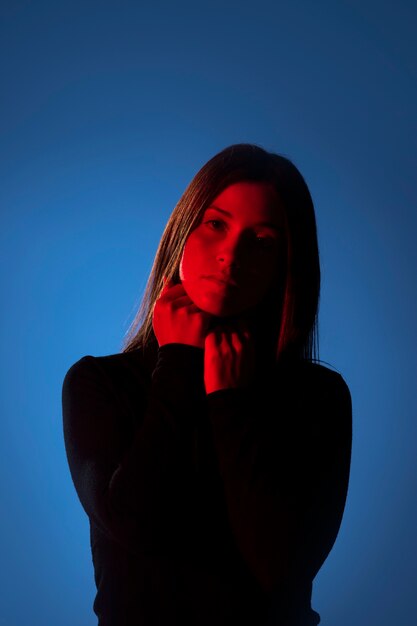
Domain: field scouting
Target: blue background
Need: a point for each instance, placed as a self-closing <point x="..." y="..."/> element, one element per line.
<point x="107" y="112"/>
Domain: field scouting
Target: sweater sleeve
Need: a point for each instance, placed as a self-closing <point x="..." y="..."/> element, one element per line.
<point x="134" y="484"/>
<point x="285" y="484"/>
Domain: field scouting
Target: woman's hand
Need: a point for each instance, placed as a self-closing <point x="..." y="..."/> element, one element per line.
<point x="176" y="319"/>
<point x="229" y="357"/>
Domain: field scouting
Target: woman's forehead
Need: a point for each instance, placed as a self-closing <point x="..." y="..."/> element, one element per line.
<point x="249" y="200"/>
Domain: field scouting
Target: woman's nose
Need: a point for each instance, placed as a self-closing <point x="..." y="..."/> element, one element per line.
<point x="231" y="253"/>
<point x="227" y="260"/>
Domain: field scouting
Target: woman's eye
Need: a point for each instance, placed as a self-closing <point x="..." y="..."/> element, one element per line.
<point x="262" y="242"/>
<point x="265" y="242"/>
<point x="214" y="223"/>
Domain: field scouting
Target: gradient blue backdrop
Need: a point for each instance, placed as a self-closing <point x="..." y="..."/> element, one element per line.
<point x="108" y="109"/>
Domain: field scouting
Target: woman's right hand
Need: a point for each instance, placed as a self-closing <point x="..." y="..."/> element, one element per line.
<point x="176" y="319"/>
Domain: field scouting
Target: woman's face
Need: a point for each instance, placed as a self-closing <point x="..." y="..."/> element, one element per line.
<point x="236" y="252"/>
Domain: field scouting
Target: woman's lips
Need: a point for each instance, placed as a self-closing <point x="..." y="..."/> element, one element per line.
<point x="222" y="281"/>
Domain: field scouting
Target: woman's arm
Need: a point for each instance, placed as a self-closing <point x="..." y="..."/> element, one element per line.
<point x="285" y="473"/>
<point x="327" y="447"/>
<point x="134" y="483"/>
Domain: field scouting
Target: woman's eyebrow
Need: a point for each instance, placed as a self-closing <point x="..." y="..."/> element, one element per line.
<point x="267" y="224"/>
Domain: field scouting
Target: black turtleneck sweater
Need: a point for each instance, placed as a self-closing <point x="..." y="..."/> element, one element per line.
<point x="206" y="509"/>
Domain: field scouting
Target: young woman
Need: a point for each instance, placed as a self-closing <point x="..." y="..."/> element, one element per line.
<point x="212" y="454"/>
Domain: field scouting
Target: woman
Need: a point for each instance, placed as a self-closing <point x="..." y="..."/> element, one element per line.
<point x="212" y="454"/>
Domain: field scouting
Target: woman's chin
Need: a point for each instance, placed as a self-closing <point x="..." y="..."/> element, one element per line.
<point x="225" y="312"/>
<point x="222" y="315"/>
<point x="219" y="310"/>
<point x="220" y="307"/>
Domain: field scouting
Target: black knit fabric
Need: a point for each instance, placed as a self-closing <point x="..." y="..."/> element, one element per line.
<point x="206" y="510"/>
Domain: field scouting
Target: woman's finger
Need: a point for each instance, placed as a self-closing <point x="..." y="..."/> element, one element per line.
<point x="236" y="341"/>
<point x="176" y="289"/>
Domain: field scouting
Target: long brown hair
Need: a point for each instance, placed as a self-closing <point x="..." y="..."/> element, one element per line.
<point x="297" y="319"/>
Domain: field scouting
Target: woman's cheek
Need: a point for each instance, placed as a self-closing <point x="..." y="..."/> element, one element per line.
<point x="195" y="255"/>
<point x="186" y="257"/>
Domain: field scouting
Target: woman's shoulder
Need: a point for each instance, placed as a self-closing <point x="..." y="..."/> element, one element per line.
<point x="120" y="367"/>
<point x="324" y="371"/>
<point x="329" y="387"/>
<point x="120" y="379"/>
<point x="109" y="362"/>
<point x="320" y="397"/>
<point x="319" y="379"/>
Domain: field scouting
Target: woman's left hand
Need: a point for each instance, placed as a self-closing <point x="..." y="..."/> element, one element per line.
<point x="229" y="357"/>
